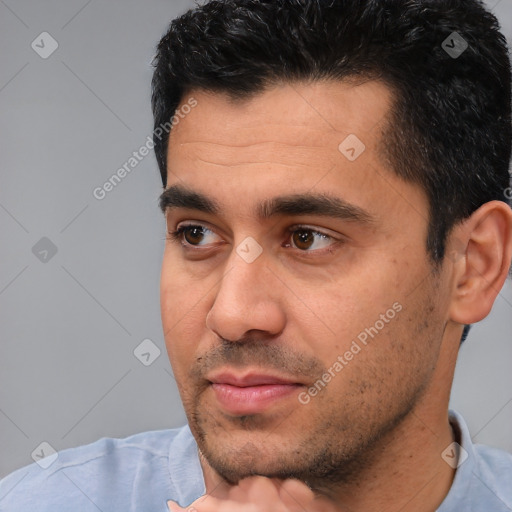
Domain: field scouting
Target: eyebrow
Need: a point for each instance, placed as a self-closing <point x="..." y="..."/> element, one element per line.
<point x="324" y="205"/>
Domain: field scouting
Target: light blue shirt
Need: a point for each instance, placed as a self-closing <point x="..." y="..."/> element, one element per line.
<point x="141" y="472"/>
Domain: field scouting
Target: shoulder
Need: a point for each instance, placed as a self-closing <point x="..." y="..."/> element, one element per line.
<point x="494" y="470"/>
<point x="89" y="477"/>
<point x="483" y="479"/>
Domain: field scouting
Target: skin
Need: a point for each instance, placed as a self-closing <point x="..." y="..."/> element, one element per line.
<point x="372" y="437"/>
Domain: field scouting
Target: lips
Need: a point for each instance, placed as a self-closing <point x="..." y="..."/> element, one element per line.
<point x="251" y="393"/>
<point x="248" y="380"/>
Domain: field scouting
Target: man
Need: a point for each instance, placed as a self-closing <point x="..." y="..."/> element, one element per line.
<point x="335" y="186"/>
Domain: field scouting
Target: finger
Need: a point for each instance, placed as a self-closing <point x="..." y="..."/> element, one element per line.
<point x="174" y="507"/>
<point x="255" y="489"/>
<point x="295" y="494"/>
<point x="205" y="503"/>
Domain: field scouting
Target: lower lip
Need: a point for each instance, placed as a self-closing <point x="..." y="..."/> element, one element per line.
<point x="252" y="399"/>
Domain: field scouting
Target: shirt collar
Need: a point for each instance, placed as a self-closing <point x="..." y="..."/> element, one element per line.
<point x="459" y="496"/>
<point x="185" y="469"/>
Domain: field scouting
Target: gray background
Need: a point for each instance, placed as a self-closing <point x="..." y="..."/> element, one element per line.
<point x="70" y="325"/>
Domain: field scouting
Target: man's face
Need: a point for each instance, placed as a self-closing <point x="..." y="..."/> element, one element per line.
<point x="298" y="335"/>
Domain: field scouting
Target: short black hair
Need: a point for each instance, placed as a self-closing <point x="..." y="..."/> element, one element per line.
<point x="449" y="129"/>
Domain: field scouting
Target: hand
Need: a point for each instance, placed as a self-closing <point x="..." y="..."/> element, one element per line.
<point x="260" y="494"/>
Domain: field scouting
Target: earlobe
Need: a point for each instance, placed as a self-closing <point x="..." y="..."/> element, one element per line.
<point x="483" y="244"/>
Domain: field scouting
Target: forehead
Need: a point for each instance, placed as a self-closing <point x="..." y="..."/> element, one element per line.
<point x="291" y="139"/>
<point x="303" y="115"/>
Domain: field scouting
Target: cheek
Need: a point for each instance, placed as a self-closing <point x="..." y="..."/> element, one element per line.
<point x="176" y="290"/>
<point x="355" y="311"/>
<point x="179" y="305"/>
<point x="347" y="307"/>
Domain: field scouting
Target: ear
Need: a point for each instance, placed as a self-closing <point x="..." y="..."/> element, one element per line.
<point x="482" y="246"/>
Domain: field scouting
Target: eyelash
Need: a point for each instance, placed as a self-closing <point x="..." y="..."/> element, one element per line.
<point x="177" y="237"/>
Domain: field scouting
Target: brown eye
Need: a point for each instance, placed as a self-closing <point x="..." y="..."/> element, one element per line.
<point x="193" y="234"/>
<point x="310" y="240"/>
<point x="303" y="238"/>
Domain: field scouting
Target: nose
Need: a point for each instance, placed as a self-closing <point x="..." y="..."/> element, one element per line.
<point x="247" y="300"/>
